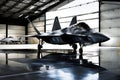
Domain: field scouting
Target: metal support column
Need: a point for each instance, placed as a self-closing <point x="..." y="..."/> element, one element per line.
<point x="99" y="27"/>
<point x="26" y="33"/>
<point x="44" y="22"/>
<point x="6" y="30"/>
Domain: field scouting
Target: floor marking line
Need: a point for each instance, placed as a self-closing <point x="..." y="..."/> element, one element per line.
<point x="20" y="74"/>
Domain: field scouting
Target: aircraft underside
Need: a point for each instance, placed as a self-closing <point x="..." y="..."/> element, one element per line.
<point x="70" y="39"/>
<point x="63" y="40"/>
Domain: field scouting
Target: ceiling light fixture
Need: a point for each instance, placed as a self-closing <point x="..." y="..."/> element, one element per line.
<point x="32" y="7"/>
<point x="50" y="4"/>
<point x="36" y="12"/>
<point x="26" y="16"/>
<point x="20" y="15"/>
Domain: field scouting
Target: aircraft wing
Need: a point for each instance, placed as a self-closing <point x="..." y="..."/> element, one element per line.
<point x="41" y="36"/>
<point x="56" y="35"/>
<point x="66" y="38"/>
<point x="30" y="35"/>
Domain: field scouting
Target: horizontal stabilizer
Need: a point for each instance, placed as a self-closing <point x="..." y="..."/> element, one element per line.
<point x="73" y="21"/>
<point x="56" y="25"/>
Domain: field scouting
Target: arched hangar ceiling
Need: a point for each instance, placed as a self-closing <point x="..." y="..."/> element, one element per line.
<point x="15" y="11"/>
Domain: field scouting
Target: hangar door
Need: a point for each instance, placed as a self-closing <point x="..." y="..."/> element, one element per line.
<point x="110" y="25"/>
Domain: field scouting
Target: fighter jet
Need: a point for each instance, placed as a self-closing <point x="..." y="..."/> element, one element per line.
<point x="10" y="40"/>
<point x="75" y="33"/>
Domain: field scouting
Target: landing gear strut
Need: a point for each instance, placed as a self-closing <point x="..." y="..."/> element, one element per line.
<point x="39" y="54"/>
<point x="74" y="46"/>
<point x="81" y="54"/>
<point x="74" y="53"/>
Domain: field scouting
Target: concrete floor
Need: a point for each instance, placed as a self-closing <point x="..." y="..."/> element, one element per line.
<point x="53" y="67"/>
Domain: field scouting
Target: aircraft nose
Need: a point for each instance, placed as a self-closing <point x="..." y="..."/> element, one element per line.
<point x="97" y="37"/>
<point x="104" y="38"/>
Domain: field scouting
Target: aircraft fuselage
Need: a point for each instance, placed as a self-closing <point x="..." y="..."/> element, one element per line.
<point x="74" y="34"/>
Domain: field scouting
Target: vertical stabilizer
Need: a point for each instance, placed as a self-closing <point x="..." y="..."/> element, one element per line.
<point x="56" y="24"/>
<point x="73" y="21"/>
<point x="38" y="32"/>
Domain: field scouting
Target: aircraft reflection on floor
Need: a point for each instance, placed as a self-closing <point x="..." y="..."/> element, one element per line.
<point x="55" y="67"/>
<point x="62" y="71"/>
<point x="47" y="69"/>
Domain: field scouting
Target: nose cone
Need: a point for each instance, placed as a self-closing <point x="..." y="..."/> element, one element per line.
<point x="104" y="38"/>
<point x="98" y="37"/>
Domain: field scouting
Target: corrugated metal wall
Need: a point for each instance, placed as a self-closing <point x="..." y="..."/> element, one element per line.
<point x="16" y="32"/>
<point x="110" y="23"/>
<point x="2" y="31"/>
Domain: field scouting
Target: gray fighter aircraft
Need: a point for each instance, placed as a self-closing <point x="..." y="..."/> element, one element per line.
<point x="10" y="40"/>
<point x="76" y="33"/>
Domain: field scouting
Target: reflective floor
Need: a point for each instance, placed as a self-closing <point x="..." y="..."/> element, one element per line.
<point x="53" y="67"/>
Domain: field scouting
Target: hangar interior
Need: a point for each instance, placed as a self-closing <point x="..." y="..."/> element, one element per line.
<point x="101" y="15"/>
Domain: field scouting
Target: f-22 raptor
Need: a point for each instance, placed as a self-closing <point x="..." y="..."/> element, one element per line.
<point x="76" y="33"/>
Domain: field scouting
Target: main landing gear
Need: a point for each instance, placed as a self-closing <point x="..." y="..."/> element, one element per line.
<point x="74" y="46"/>
<point x="39" y="54"/>
<point x="81" y="54"/>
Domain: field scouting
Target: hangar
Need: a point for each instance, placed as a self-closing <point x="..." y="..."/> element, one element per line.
<point x="59" y="39"/>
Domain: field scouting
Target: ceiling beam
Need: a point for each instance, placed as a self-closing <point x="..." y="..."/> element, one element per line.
<point x="35" y="9"/>
<point x="28" y="5"/>
<point x="44" y="11"/>
<point x="11" y="7"/>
